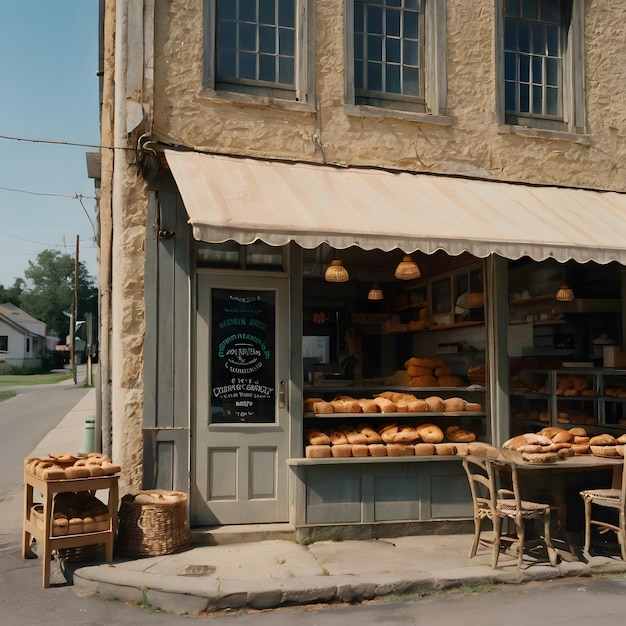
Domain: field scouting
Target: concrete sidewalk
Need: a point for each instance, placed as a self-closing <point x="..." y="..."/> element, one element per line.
<point x="257" y="567"/>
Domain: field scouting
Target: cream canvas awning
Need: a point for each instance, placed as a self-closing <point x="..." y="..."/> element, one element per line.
<point x="246" y="199"/>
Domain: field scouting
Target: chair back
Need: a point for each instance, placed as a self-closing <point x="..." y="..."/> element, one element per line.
<point x="506" y="481"/>
<point x="482" y="485"/>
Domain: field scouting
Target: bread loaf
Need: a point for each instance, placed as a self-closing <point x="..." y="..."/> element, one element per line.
<point x="341" y="450"/>
<point x="435" y="404"/>
<point x="317" y="452"/>
<point x="309" y="404"/>
<point x="377" y="449"/>
<point x="430" y="433"/>
<point x="360" y="449"/>
<point x="323" y="408"/>
<point x="424" y="449"/>
<point x="455" y="405"/>
<point x="368" y="405"/>
<point x="386" y="406"/>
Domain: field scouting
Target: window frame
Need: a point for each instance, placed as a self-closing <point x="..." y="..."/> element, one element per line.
<point x="302" y="90"/>
<point x="4" y="341"/>
<point x="572" y="96"/>
<point x="433" y="43"/>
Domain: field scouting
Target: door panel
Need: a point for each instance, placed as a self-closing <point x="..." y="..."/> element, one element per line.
<point x="242" y="414"/>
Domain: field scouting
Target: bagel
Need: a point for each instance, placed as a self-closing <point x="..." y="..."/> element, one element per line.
<point x="337" y="438"/>
<point x="456" y="434"/>
<point x="371" y="435"/>
<point x="430" y="433"/>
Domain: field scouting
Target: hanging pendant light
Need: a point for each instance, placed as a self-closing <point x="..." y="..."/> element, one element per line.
<point x="375" y="293"/>
<point x="336" y="272"/>
<point x="407" y="269"/>
<point x="564" y="294"/>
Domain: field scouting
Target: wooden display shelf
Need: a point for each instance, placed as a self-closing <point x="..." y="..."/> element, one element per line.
<point x="48" y="489"/>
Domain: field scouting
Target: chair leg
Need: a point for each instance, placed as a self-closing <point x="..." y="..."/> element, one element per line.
<point x="497" y="533"/>
<point x="477" y="529"/>
<point x="587" y="526"/>
<point x="548" y="539"/>
<point x="621" y="535"/>
<point x="519" y="527"/>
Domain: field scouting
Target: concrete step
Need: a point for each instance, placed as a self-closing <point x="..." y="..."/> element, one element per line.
<point x="242" y="533"/>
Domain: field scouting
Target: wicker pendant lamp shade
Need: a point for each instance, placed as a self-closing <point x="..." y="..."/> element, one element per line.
<point x="564" y="294"/>
<point x="407" y="269"/>
<point x="375" y="293"/>
<point x="336" y="272"/>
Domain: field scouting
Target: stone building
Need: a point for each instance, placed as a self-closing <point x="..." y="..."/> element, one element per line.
<point x="248" y="143"/>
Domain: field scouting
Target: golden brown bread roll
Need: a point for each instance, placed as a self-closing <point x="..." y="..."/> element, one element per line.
<point x="445" y="449"/>
<point x="317" y="452"/>
<point x="400" y="449"/>
<point x="360" y="449"/>
<point x="581" y="448"/>
<point x="424" y="449"/>
<point x="323" y="408"/>
<point x="474" y="407"/>
<point x="336" y="437"/>
<point x="371" y="435"/>
<point x="316" y="437"/>
<point x="352" y="434"/>
<point x="462" y="449"/>
<point x="344" y="405"/>
<point x="386" y="406"/>
<point x="418" y="405"/>
<point x="419" y="371"/>
<point x="443" y="371"/>
<point x="368" y="405"/>
<point x="483" y="449"/>
<point x="377" y="449"/>
<point x="456" y="434"/>
<point x="408" y="435"/>
<point x="309" y="404"/>
<point x="603" y="440"/>
<point x="450" y="381"/>
<point x="341" y="450"/>
<point x="402" y="406"/>
<point x="430" y="433"/>
<point x="435" y="404"/>
<point x="423" y="381"/>
<point x="454" y="405"/>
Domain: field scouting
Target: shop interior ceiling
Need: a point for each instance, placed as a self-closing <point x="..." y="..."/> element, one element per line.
<point x="589" y="280"/>
<point x="376" y="265"/>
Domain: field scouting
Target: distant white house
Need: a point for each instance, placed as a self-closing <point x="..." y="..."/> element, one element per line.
<point x="22" y="337"/>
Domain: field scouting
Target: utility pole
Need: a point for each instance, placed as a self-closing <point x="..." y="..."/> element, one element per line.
<point x="75" y="311"/>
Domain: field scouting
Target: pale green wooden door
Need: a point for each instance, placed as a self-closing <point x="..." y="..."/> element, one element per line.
<point x="242" y="413"/>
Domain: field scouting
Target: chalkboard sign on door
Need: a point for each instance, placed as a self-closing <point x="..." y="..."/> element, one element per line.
<point x="243" y="368"/>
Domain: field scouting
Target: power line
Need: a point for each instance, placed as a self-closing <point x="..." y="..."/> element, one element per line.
<point x="66" y="143"/>
<point x="75" y="196"/>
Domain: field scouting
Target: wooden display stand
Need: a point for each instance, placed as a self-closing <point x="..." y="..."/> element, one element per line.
<point x="49" y="488"/>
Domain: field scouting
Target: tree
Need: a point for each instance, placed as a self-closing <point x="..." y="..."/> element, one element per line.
<point x="50" y="291"/>
<point x="12" y="294"/>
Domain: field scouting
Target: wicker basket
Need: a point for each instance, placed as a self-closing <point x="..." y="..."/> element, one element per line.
<point x="153" y="523"/>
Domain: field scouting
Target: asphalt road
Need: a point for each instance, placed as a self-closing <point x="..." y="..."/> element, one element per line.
<point x="27" y="418"/>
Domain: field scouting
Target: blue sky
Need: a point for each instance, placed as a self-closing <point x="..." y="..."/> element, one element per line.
<point x="48" y="91"/>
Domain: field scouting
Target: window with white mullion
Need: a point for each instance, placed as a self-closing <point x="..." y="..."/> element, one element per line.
<point x="388" y="49"/>
<point x="256" y="41"/>
<point x="534" y="42"/>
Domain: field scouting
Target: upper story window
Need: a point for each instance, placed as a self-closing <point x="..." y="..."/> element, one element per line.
<point x="542" y="47"/>
<point x="4" y="343"/>
<point x="396" y="54"/>
<point x="257" y="47"/>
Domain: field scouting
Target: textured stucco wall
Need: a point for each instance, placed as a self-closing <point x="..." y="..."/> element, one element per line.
<point x="471" y="145"/>
<point x="184" y="114"/>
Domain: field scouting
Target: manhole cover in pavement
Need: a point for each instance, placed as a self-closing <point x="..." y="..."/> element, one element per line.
<point x="195" y="570"/>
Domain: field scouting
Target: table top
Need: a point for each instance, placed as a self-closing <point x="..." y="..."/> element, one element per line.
<point x="572" y="463"/>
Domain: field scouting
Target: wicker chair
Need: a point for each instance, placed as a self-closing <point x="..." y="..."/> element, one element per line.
<point x="614" y="498"/>
<point x="495" y="494"/>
